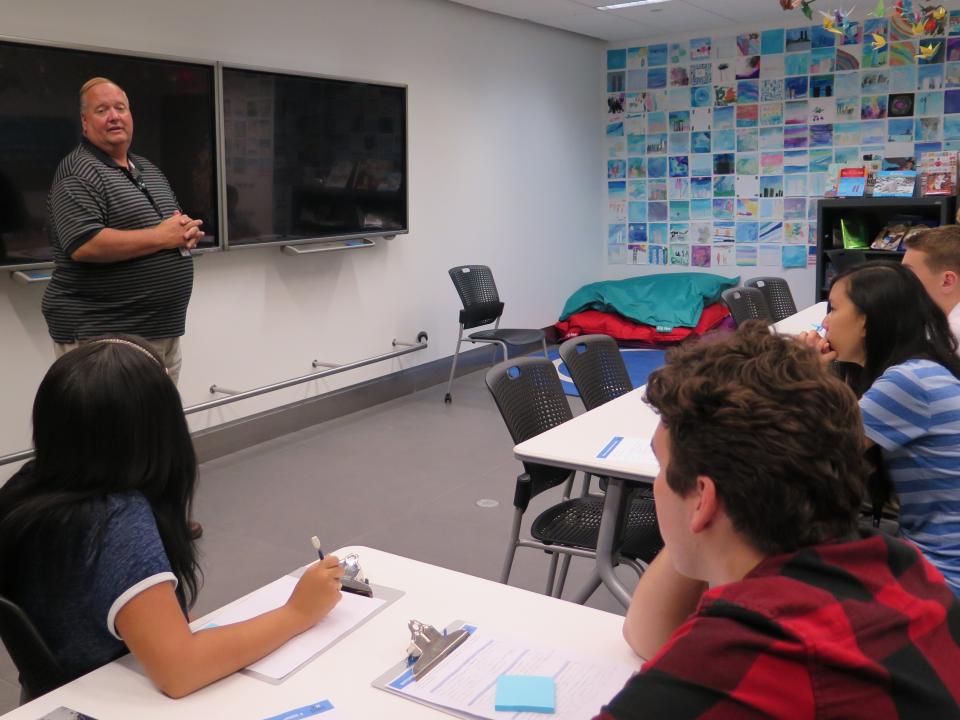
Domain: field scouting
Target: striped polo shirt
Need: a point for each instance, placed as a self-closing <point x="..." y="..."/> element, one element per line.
<point x="146" y="296"/>
<point x="912" y="411"/>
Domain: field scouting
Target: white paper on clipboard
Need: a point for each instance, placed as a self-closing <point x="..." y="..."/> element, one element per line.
<point x="351" y="612"/>
<point x="464" y="683"/>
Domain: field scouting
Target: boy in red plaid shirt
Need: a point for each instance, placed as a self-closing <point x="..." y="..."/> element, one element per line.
<point x="767" y="601"/>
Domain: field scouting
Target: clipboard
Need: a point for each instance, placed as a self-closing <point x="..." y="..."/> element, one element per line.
<point x="299" y="651"/>
<point x="399" y="675"/>
<point x="463" y="683"/>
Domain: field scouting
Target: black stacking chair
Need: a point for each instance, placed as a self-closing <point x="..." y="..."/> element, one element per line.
<point x="777" y="294"/>
<point x="482" y="306"/>
<point x="746" y="304"/>
<point x="597" y="369"/>
<point x="531" y="400"/>
<point x="39" y="670"/>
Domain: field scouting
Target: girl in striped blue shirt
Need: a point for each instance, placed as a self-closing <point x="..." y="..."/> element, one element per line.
<point x="896" y="350"/>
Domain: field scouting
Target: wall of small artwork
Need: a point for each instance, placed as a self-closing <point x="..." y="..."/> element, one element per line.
<point x="718" y="147"/>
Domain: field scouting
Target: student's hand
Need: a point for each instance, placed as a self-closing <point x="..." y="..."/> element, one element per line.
<point x="821" y="345"/>
<point x="318" y="591"/>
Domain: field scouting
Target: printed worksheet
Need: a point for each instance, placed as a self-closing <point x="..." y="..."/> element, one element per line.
<point x="466" y="680"/>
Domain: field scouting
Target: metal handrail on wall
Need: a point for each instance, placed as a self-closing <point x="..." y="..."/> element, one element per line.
<point x="232" y="396"/>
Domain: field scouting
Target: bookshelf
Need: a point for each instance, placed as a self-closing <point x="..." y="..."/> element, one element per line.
<point x="875" y="213"/>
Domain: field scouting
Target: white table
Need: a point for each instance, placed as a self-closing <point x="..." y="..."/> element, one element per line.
<point x="576" y="443"/>
<point x="344" y="672"/>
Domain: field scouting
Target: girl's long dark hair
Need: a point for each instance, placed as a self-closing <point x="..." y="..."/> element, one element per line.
<point x="106" y="419"/>
<point x="902" y="323"/>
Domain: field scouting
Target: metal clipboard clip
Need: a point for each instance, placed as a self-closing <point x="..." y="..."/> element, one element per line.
<point x="353" y="580"/>
<point x="428" y="646"/>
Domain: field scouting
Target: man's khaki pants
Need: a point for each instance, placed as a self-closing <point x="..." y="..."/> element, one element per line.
<point x="168" y="349"/>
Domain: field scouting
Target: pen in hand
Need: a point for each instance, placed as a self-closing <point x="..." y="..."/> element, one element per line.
<point x="316" y="546"/>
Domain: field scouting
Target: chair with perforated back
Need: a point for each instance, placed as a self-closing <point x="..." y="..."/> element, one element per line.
<point x="39" y="670"/>
<point x="596" y="367"/>
<point x="482" y="306"/>
<point x="528" y="394"/>
<point x="777" y="294"/>
<point x="746" y="304"/>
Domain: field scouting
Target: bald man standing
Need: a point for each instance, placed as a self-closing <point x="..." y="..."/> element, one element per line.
<point x="121" y="245"/>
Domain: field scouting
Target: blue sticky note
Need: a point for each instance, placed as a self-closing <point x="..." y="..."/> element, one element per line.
<point x="526" y="693"/>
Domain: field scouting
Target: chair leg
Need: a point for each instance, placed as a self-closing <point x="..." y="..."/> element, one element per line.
<point x="585" y="490"/>
<point x="512" y="547"/>
<point x="544" y="341"/>
<point x="448" y="398"/>
<point x="551" y="574"/>
<point x="562" y="576"/>
<point x="589" y="589"/>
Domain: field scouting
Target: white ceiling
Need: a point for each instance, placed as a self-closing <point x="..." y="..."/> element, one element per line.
<point x="668" y="18"/>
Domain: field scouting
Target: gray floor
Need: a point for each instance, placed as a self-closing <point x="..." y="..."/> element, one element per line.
<point x="403" y="477"/>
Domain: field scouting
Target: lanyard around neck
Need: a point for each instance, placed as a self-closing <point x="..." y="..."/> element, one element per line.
<point x="133" y="175"/>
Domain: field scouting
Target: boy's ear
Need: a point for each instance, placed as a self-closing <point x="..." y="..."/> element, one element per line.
<point x="951" y="280"/>
<point x="706" y="504"/>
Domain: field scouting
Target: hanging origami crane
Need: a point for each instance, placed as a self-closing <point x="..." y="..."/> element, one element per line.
<point x="927" y="51"/>
<point x="903" y="7"/>
<point x="879" y="42"/>
<point x="803" y="5"/>
<point x="934" y="17"/>
<point x="880" y="10"/>
<point x="829" y="23"/>
<point x="837" y="21"/>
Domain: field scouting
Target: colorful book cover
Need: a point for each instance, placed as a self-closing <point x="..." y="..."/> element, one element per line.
<point x="872" y="166"/>
<point x="833" y="179"/>
<point x="895" y="183"/>
<point x="938" y="171"/>
<point x="853" y="182"/>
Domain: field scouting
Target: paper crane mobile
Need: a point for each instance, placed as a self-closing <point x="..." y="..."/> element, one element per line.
<point x="837" y="21"/>
<point x="922" y="19"/>
<point x="803" y="5"/>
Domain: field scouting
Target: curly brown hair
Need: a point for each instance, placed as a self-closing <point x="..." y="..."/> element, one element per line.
<point x="781" y="437"/>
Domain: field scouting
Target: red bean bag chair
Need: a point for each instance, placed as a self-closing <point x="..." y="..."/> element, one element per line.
<point x="618" y="327"/>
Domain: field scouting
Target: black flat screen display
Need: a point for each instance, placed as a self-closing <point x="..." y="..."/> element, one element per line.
<point x="173" y="106"/>
<point x="312" y="158"/>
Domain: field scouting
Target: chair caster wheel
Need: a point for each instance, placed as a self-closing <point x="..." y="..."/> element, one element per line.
<point x="448" y="398"/>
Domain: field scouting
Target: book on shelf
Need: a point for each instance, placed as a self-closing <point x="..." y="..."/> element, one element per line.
<point x="833" y="179"/>
<point x="852" y="182"/>
<point x="853" y="233"/>
<point x="938" y="173"/>
<point x="895" y="183"/>
<point x="872" y="167"/>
